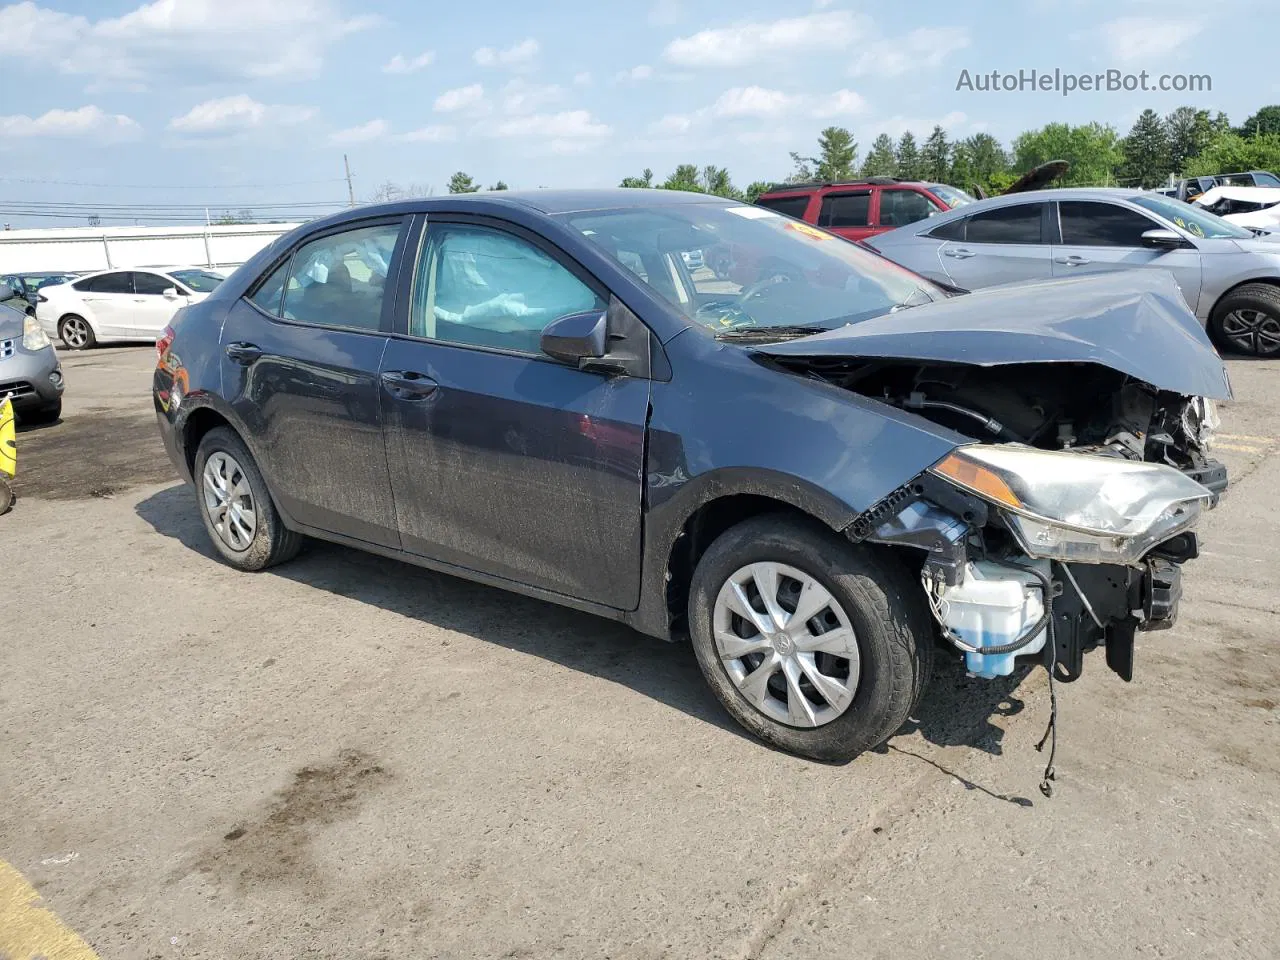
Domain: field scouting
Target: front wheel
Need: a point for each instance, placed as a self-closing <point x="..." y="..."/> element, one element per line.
<point x="813" y="644"/>
<point x="236" y="506"/>
<point x="1248" y="320"/>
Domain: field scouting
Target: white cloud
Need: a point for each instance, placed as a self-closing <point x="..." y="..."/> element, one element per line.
<point x="841" y="103"/>
<point x="519" y="96"/>
<point x="435" y="133"/>
<point x="373" y="130"/>
<point x="923" y="48"/>
<point x="663" y="13"/>
<point x="86" y="121"/>
<point x="1131" y="39"/>
<point x="401" y="64"/>
<point x="197" y="40"/>
<point x="953" y="122"/>
<point x="751" y="102"/>
<point x="568" y="125"/>
<point x="460" y="98"/>
<point x="237" y="114"/>
<point x="672" y="124"/>
<point x="635" y="74"/>
<point x="747" y="43"/>
<point x="582" y="78"/>
<point x="519" y="55"/>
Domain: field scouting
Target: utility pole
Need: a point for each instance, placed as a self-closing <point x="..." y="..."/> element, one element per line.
<point x="351" y="191"/>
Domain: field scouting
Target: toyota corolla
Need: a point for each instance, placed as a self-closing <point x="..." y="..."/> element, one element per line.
<point x="810" y="462"/>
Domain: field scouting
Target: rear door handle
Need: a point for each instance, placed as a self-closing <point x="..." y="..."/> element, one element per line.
<point x="408" y="384"/>
<point x="243" y="353"/>
<point x="960" y="253"/>
<point x="1072" y="261"/>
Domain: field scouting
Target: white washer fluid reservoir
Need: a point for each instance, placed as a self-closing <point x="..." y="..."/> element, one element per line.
<point x="994" y="605"/>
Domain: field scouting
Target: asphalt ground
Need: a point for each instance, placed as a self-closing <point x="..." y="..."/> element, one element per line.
<point x="351" y="757"/>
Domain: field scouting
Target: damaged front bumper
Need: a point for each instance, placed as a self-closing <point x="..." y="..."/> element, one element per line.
<point x="1002" y="607"/>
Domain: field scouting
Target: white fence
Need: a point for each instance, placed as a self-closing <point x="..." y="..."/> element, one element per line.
<point x="84" y="249"/>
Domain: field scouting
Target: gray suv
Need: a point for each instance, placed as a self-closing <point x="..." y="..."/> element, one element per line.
<point x="29" y="369"/>
<point x="1228" y="275"/>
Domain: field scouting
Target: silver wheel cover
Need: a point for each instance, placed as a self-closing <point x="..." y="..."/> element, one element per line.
<point x="786" y="644"/>
<point x="228" y="500"/>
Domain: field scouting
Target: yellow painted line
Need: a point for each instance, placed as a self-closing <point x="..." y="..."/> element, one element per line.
<point x="1241" y="436"/>
<point x="1238" y="447"/>
<point x="28" y="930"/>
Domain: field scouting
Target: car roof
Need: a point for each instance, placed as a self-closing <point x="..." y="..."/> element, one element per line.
<point x="812" y="186"/>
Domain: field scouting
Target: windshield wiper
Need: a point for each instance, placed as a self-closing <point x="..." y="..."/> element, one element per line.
<point x="769" y="333"/>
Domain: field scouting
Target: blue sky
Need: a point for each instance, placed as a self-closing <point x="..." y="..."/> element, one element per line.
<point x="242" y="102"/>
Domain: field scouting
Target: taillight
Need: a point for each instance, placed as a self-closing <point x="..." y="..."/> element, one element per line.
<point x="163" y="342"/>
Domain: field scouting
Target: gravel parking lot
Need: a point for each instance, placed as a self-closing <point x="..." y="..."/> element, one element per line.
<point x="350" y="757"/>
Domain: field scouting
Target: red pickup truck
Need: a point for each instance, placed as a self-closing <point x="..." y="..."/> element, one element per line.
<point x="856" y="209"/>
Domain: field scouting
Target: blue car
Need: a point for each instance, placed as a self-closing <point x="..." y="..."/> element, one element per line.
<point x="810" y="462"/>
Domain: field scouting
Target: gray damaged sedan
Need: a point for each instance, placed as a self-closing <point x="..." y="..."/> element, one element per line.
<point x="29" y="369"/>
<point x="1229" y="275"/>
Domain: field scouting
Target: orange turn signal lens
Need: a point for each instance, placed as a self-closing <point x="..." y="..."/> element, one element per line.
<point x="974" y="476"/>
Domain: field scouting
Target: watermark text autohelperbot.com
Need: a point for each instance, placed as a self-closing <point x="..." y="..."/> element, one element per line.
<point x="1066" y="83"/>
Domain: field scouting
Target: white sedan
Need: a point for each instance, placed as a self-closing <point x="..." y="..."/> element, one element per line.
<point x="119" y="305"/>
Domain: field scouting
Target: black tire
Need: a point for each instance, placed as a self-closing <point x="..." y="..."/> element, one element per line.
<point x="90" y="342"/>
<point x="272" y="542"/>
<point x="1247" y="320"/>
<point x="884" y="606"/>
<point x="7" y="499"/>
<point x="49" y="414"/>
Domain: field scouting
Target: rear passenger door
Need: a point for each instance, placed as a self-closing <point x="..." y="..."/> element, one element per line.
<point x="1006" y="244"/>
<point x="109" y="297"/>
<point x="1102" y="237"/>
<point x="301" y="361"/>
<point x="847" y="213"/>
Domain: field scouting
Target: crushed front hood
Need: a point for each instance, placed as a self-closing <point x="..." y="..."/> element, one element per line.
<point x="1134" y="321"/>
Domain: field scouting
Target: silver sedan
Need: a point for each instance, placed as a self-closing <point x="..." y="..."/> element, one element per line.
<point x="1229" y="275"/>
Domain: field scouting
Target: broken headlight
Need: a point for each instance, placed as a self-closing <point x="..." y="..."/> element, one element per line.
<point x="1077" y="507"/>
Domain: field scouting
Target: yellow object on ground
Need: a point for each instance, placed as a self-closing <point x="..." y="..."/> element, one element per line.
<point x="8" y="442"/>
<point x="29" y="930"/>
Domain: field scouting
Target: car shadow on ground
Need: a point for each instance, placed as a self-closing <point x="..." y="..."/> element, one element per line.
<point x="957" y="709"/>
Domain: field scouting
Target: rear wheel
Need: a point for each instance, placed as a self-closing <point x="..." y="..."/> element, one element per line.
<point x="1248" y="320"/>
<point x="76" y="332"/>
<point x="236" y="506"/>
<point x="815" y="645"/>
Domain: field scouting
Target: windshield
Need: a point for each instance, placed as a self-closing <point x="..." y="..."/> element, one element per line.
<point x="951" y="196"/>
<point x="757" y="269"/>
<point x="36" y="283"/>
<point x="1197" y="222"/>
<point x="201" y="281"/>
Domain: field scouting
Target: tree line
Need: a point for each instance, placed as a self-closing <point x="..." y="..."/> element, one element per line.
<point x="1185" y="142"/>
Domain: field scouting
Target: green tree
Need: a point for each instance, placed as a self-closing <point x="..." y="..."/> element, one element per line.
<point x="979" y="161"/>
<point x="1092" y="149"/>
<point x="1188" y="131"/>
<point x="684" y="177"/>
<point x="243" y="215"/>
<point x="715" y="180"/>
<point x="755" y="189"/>
<point x="907" y="157"/>
<point x="880" y="161"/>
<point x="1146" y="152"/>
<point x="935" y="155"/>
<point x="1220" y="124"/>
<point x="500" y="185"/>
<point x="836" y="160"/>
<point x="1232" y="153"/>
<point x="462" y="183"/>
<point x="1266" y="120"/>
<point x="639" y="182"/>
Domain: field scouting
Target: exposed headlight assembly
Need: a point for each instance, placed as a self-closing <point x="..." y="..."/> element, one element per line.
<point x="33" y="337"/>
<point x="1078" y="507"/>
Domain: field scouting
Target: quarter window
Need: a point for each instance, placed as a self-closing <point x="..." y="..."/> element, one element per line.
<point x="1087" y="224"/>
<point x="484" y="287"/>
<point x="1020" y="223"/>
<point x="845" y="209"/>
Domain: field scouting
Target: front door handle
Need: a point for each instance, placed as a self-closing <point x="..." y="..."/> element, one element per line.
<point x="243" y="353"/>
<point x="408" y="384"/>
<point x="1072" y="261"/>
<point x="960" y="253"/>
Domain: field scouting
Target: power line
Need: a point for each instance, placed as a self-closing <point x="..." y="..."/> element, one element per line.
<point x="176" y="186"/>
<point x="73" y="206"/>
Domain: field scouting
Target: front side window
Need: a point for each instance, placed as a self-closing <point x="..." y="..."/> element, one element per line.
<point x="150" y="284"/>
<point x="484" y="287"/>
<point x="900" y="207"/>
<point x="1020" y="223"/>
<point x="845" y="209"/>
<point x="338" y="280"/>
<point x="787" y="206"/>
<point x="1089" y="224"/>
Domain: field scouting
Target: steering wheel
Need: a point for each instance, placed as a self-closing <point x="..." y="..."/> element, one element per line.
<point x="759" y="287"/>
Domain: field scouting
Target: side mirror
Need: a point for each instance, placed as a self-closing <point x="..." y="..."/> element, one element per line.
<point x="171" y="293"/>
<point x="1164" y="238"/>
<point x="577" y="337"/>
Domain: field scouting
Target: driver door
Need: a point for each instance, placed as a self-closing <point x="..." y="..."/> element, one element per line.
<point x="502" y="460"/>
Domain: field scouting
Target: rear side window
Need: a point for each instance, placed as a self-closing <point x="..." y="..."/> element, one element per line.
<point x="1089" y="224"/>
<point x="787" y="206"/>
<point x="1016" y="224"/>
<point x="121" y="282"/>
<point x="845" y="209"/>
<point x="900" y="207"/>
